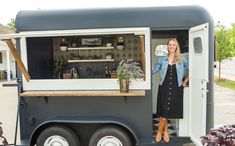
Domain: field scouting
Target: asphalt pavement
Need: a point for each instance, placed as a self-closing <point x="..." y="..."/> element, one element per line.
<point x="8" y="110"/>
<point x="227" y="69"/>
<point x="224" y="106"/>
<point x="224" y="97"/>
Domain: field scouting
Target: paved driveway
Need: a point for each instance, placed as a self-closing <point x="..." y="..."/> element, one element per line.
<point x="225" y="98"/>
<point x="227" y="69"/>
<point x="224" y="108"/>
<point x="8" y="108"/>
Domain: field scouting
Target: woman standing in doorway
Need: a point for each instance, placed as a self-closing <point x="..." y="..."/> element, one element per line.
<point x="170" y="95"/>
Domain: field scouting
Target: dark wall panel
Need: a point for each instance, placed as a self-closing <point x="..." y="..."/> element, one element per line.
<point x="40" y="57"/>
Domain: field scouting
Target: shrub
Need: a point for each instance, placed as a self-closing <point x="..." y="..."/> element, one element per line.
<point x="222" y="136"/>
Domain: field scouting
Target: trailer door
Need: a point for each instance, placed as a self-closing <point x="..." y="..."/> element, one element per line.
<point x="198" y="78"/>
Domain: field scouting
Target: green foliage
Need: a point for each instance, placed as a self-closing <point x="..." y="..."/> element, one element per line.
<point x="129" y="69"/>
<point x="58" y="64"/>
<point x="233" y="38"/>
<point x="223" y="42"/>
<point x="12" y="25"/>
<point x="226" y="83"/>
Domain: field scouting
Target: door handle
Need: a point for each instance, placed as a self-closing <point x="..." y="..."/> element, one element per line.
<point x="204" y="85"/>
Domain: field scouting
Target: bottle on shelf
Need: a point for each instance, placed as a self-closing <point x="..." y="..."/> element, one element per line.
<point x="109" y="74"/>
<point x="106" y="71"/>
<point x="114" y="69"/>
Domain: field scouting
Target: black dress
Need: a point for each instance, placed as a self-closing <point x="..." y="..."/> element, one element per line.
<point x="170" y="96"/>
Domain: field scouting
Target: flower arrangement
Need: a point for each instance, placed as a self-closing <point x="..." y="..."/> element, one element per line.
<point x="222" y="136"/>
<point x="129" y="69"/>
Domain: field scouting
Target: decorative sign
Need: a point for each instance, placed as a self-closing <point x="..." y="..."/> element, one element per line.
<point x="91" y="41"/>
<point x="161" y="50"/>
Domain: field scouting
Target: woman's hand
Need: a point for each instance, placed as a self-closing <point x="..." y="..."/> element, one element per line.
<point x="185" y="82"/>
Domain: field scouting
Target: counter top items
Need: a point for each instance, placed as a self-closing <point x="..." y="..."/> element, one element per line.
<point x="108" y="56"/>
<point x="66" y="75"/>
<point x="108" y="44"/>
<point x="120" y="47"/>
<point x="120" y="40"/>
<point x="74" y="73"/>
<point x="63" y="45"/>
<point x="63" y="48"/>
<point x="120" y="43"/>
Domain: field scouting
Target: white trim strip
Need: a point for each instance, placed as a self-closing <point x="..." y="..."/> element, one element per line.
<point x="137" y="31"/>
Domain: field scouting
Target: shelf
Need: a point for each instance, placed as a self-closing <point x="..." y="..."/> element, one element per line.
<point x="82" y="93"/>
<point x="91" y="48"/>
<point x="91" y="60"/>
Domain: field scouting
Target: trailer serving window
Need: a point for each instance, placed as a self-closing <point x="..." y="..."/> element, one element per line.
<point x="83" y="59"/>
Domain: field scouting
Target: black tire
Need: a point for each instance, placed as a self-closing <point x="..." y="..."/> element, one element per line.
<point x="66" y="134"/>
<point x="113" y="133"/>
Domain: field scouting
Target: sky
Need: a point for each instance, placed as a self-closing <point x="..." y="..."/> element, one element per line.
<point x="220" y="10"/>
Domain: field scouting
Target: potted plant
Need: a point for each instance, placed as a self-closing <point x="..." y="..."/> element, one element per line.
<point x="222" y="136"/>
<point x="63" y="45"/>
<point x="126" y="71"/>
<point x="58" y="65"/>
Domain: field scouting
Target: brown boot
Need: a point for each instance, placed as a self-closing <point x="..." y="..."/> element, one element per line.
<point x="166" y="136"/>
<point x="158" y="137"/>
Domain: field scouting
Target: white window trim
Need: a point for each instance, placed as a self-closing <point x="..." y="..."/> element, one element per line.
<point x="86" y="84"/>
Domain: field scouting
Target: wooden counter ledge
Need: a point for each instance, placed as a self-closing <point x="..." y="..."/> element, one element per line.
<point x="83" y="93"/>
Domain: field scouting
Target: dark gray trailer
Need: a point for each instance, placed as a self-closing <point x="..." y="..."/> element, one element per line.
<point x="58" y="109"/>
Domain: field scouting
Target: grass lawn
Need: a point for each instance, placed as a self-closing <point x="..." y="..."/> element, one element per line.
<point x="225" y="83"/>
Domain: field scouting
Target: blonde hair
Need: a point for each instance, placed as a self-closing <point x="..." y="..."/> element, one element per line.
<point x="177" y="51"/>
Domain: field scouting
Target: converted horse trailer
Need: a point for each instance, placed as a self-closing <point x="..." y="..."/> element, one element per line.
<point x="69" y="93"/>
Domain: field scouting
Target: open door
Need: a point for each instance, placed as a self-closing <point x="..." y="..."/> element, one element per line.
<point x="198" y="78"/>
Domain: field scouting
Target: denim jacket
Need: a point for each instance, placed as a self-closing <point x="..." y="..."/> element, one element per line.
<point x="162" y="65"/>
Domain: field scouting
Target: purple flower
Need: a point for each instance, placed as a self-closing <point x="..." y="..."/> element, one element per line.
<point x="222" y="136"/>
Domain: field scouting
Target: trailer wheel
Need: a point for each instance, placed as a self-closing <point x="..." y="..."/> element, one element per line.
<point x="111" y="136"/>
<point x="57" y="135"/>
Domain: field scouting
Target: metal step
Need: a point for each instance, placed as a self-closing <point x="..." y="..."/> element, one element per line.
<point x="174" y="141"/>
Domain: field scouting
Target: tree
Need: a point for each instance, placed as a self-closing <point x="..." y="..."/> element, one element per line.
<point x="223" y="44"/>
<point x="12" y="25"/>
<point x="233" y="38"/>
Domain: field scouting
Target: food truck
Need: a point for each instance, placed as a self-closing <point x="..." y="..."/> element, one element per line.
<point x="69" y="92"/>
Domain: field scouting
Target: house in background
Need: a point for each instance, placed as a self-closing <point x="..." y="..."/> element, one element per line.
<point x="7" y="61"/>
